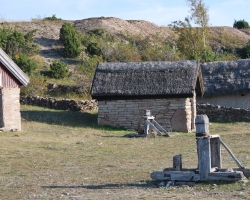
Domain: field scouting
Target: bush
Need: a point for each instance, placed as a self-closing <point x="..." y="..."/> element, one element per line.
<point x="240" y="24"/>
<point x="15" y="42"/>
<point x="53" y="18"/>
<point x="59" y="69"/>
<point x="71" y="40"/>
<point x="89" y="64"/>
<point x="25" y="63"/>
<point x="94" y="49"/>
<point x="246" y="50"/>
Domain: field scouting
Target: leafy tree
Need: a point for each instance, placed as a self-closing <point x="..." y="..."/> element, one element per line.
<point x="71" y="40"/>
<point x="192" y="41"/>
<point x="59" y="69"/>
<point x="199" y="15"/>
<point x="240" y="24"/>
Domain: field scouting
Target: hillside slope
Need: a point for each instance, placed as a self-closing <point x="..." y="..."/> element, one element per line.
<point x="47" y="35"/>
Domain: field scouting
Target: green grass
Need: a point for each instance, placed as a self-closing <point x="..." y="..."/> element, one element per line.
<point x="64" y="154"/>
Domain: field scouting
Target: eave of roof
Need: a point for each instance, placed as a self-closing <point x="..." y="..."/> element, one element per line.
<point x="13" y="68"/>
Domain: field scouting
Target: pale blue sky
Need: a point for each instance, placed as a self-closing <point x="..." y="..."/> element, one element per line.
<point x="160" y="12"/>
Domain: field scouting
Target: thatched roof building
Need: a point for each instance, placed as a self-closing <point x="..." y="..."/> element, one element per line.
<point x="147" y="80"/>
<point x="226" y="78"/>
<point x="168" y="89"/>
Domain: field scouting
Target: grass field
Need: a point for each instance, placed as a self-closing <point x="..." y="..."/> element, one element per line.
<point x="65" y="155"/>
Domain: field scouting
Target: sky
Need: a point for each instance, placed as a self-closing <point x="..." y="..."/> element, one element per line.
<point x="159" y="12"/>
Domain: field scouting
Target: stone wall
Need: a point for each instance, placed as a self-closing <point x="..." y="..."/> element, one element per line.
<point x="223" y="114"/>
<point x="235" y="101"/>
<point x="64" y="104"/>
<point x="11" y="109"/>
<point x="171" y="114"/>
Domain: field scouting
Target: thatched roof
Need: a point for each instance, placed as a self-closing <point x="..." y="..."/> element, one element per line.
<point x="147" y="79"/>
<point x="231" y="77"/>
<point x="13" y="68"/>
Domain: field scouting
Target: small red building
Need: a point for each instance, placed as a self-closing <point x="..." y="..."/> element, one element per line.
<point x="11" y="79"/>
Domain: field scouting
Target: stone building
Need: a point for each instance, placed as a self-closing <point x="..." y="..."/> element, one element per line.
<point x="226" y="83"/>
<point x="125" y="90"/>
<point x="11" y="78"/>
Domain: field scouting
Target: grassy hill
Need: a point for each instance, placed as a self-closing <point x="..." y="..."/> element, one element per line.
<point x="47" y="38"/>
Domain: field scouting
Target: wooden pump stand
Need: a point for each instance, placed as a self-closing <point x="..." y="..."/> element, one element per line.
<point x="150" y="123"/>
<point x="209" y="160"/>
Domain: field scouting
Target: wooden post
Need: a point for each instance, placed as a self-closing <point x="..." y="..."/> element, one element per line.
<point x="177" y="162"/>
<point x="203" y="146"/>
<point x="204" y="157"/>
<point x="202" y="125"/>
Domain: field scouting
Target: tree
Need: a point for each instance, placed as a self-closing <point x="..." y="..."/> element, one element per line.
<point x="192" y="41"/>
<point x="71" y="40"/>
<point x="240" y="24"/>
<point x="200" y="17"/>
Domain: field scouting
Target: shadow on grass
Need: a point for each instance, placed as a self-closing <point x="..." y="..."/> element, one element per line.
<point x="65" y="118"/>
<point x="105" y="186"/>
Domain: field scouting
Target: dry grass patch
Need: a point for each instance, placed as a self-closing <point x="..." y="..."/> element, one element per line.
<point x="64" y="154"/>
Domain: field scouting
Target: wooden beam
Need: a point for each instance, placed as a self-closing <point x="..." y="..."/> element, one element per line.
<point x="175" y="176"/>
<point x="232" y="155"/>
<point x="226" y="176"/>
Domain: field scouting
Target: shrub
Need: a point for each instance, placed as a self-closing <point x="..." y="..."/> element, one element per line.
<point x="25" y="63"/>
<point x="15" y="42"/>
<point x="59" y="69"/>
<point x="246" y="50"/>
<point x="71" y="40"/>
<point x="4" y="34"/>
<point x="97" y="32"/>
<point x="30" y="35"/>
<point x="121" y="53"/>
<point x="94" y="49"/>
<point x="53" y="18"/>
<point x="89" y="64"/>
<point x="240" y="24"/>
